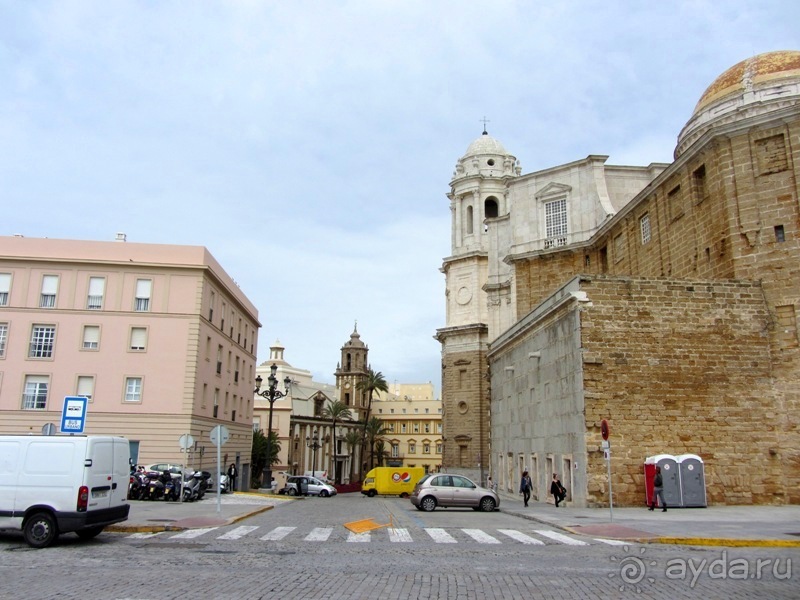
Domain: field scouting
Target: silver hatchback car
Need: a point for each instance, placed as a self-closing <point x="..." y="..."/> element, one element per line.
<point x="442" y="489"/>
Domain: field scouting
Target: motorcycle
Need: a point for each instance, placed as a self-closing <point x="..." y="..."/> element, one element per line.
<point x="155" y="486"/>
<point x="191" y="487"/>
<point x="172" y="489"/>
<point x="223" y="483"/>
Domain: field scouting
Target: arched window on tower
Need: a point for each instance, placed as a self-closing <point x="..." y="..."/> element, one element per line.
<point x="490" y="207"/>
<point x="349" y="363"/>
<point x="469" y="219"/>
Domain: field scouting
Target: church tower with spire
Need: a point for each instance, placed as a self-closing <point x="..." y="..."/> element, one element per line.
<point x="351" y="370"/>
<point x="478" y="299"/>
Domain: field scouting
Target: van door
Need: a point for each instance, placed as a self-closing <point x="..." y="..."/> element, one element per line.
<point x="9" y="463"/>
<point x="121" y="476"/>
<point x="99" y="472"/>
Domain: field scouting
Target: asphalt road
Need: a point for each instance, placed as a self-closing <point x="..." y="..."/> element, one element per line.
<point x="303" y="549"/>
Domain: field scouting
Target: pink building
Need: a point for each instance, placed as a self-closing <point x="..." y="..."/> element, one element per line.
<point x="158" y="338"/>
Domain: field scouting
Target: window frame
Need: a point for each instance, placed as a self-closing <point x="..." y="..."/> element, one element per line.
<point x="141" y="303"/>
<point x="48" y="298"/>
<point x="42" y="344"/>
<point x="34" y="399"/>
<point x="145" y="334"/>
<point x="5" y="288"/>
<point x="139" y="393"/>
<point x="85" y="339"/>
<point x="90" y="305"/>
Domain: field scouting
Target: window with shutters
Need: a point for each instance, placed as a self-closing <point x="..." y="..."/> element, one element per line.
<point x="138" y="339"/>
<point x="91" y="337"/>
<point x="85" y="386"/>
<point x="5" y="288"/>
<point x="97" y="286"/>
<point x="143" y="290"/>
<point x="49" y="291"/>
<point x="3" y="339"/>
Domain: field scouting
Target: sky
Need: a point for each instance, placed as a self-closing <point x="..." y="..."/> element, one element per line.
<point x="309" y="145"/>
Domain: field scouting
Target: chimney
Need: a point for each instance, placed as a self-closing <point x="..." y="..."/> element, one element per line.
<point x="121" y="237"/>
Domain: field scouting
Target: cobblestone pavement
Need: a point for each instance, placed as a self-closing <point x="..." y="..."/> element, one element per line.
<point x="302" y="549"/>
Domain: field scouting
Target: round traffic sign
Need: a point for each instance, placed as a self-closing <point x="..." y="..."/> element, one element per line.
<point x="604" y="429"/>
<point x="185" y="442"/>
<point x="219" y="435"/>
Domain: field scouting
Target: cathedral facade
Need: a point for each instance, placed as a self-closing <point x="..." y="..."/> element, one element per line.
<point x="661" y="299"/>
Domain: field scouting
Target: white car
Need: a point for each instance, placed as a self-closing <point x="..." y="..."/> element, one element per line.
<point x="313" y="486"/>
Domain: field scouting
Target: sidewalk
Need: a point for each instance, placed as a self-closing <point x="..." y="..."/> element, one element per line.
<point x="771" y="526"/>
<point x="175" y="516"/>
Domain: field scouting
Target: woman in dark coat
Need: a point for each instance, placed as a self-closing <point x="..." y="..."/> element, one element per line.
<point x="558" y="491"/>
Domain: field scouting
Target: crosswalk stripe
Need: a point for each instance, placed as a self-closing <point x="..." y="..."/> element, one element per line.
<point x="145" y="534"/>
<point x="278" y="534"/>
<point x="358" y="537"/>
<point x="319" y="534"/>
<point x="481" y="536"/>
<point x="612" y="542"/>
<point x="521" y="537"/>
<point x="399" y="535"/>
<point x="191" y="533"/>
<point x="440" y="536"/>
<point x="239" y="532"/>
<point x="560" y="537"/>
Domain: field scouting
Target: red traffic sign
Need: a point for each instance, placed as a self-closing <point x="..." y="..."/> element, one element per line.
<point x="604" y="429"/>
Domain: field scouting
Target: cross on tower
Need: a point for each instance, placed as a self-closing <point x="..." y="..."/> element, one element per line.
<point x="484" y="120"/>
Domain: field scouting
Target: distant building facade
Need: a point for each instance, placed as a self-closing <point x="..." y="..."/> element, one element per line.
<point x="159" y="338"/>
<point x="412" y="420"/>
<point x="663" y="299"/>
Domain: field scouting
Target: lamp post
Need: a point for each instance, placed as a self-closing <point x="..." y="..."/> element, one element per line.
<point x="271" y="394"/>
<point x="314" y="443"/>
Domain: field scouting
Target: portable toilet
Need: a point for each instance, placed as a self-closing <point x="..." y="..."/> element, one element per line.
<point x="670" y="476"/>
<point x="693" y="482"/>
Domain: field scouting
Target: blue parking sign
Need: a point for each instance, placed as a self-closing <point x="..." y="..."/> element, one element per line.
<point x="73" y="417"/>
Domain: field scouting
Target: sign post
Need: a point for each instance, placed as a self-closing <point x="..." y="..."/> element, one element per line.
<point x="73" y="416"/>
<point x="607" y="452"/>
<point x="219" y="435"/>
<point x="185" y="442"/>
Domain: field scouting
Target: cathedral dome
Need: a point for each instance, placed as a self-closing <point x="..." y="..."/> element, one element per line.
<point x="485" y="144"/>
<point x="756" y="85"/>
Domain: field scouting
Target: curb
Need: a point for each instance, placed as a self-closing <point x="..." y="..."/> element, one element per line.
<point x="730" y="542"/>
<point x="159" y="528"/>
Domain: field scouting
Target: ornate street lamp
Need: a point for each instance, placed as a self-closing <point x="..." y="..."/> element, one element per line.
<point x="271" y="394"/>
<point x="315" y="444"/>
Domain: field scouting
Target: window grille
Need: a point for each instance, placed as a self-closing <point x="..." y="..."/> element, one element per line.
<point x="35" y="396"/>
<point x="42" y="341"/>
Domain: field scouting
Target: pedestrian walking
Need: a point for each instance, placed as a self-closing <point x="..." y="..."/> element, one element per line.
<point x="559" y="491"/>
<point x="490" y="484"/>
<point x="525" y="486"/>
<point x="232" y="474"/>
<point x="658" y="491"/>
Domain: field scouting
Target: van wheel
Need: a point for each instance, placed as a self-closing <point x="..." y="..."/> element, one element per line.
<point x="371" y="493"/>
<point x="323" y="494"/>
<point x="292" y="492"/>
<point x="40" y="530"/>
<point x="87" y="534"/>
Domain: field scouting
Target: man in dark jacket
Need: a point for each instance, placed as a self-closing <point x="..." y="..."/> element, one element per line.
<point x="658" y="491"/>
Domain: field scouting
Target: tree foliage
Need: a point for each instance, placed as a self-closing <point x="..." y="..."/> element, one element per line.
<point x="261" y="452"/>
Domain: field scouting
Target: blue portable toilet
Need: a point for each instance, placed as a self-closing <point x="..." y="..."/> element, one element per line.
<point x="693" y="482"/>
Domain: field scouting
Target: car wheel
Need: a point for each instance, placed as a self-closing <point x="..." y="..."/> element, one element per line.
<point x="87" y="534"/>
<point x="292" y="492"/>
<point x="428" y="503"/>
<point x="40" y="530"/>
<point x="371" y="493"/>
<point x="404" y="495"/>
<point x="487" y="504"/>
<point x="323" y="494"/>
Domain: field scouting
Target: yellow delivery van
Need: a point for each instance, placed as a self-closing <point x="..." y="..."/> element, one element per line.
<point x="391" y="481"/>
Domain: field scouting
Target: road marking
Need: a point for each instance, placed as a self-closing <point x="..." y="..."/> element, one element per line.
<point x="358" y="537"/>
<point x="319" y="534"/>
<point x="481" y="536"/>
<point x="145" y="534"/>
<point x="440" y="536"/>
<point x="239" y="532"/>
<point x="613" y="542"/>
<point x="521" y="537"/>
<point x="399" y="535"/>
<point x="560" y="537"/>
<point x="191" y="533"/>
<point x="278" y="533"/>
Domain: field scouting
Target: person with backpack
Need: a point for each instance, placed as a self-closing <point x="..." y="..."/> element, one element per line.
<point x="558" y="491"/>
<point x="525" y="486"/>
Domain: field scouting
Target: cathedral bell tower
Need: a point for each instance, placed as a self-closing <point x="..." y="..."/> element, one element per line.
<point x="351" y="370"/>
<point x="476" y="290"/>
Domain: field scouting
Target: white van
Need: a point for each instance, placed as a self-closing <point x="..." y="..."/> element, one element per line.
<point x="57" y="484"/>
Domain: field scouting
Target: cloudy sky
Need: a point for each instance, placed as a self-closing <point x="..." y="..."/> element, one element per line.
<point x="309" y="145"/>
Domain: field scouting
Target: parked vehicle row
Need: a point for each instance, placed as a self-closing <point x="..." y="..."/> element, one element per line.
<point x="168" y="486"/>
<point x="301" y="485"/>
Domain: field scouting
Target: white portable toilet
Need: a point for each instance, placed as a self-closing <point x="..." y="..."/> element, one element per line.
<point x="693" y="481"/>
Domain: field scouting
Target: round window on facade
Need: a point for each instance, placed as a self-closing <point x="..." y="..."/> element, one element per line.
<point x="490" y="162"/>
<point x="462" y="407"/>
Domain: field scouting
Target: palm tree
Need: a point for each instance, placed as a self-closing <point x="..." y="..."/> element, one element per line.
<point x="372" y="382"/>
<point x="336" y="411"/>
<point x="259" y="452"/>
<point x="373" y="431"/>
<point x="353" y="439"/>
<point x="381" y="452"/>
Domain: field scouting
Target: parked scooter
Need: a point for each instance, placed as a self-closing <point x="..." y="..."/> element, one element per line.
<point x="191" y="487"/>
<point x="223" y="483"/>
<point x="155" y="486"/>
<point x="172" y="488"/>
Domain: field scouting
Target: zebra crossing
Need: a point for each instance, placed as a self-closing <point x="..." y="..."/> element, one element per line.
<point x="437" y="535"/>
